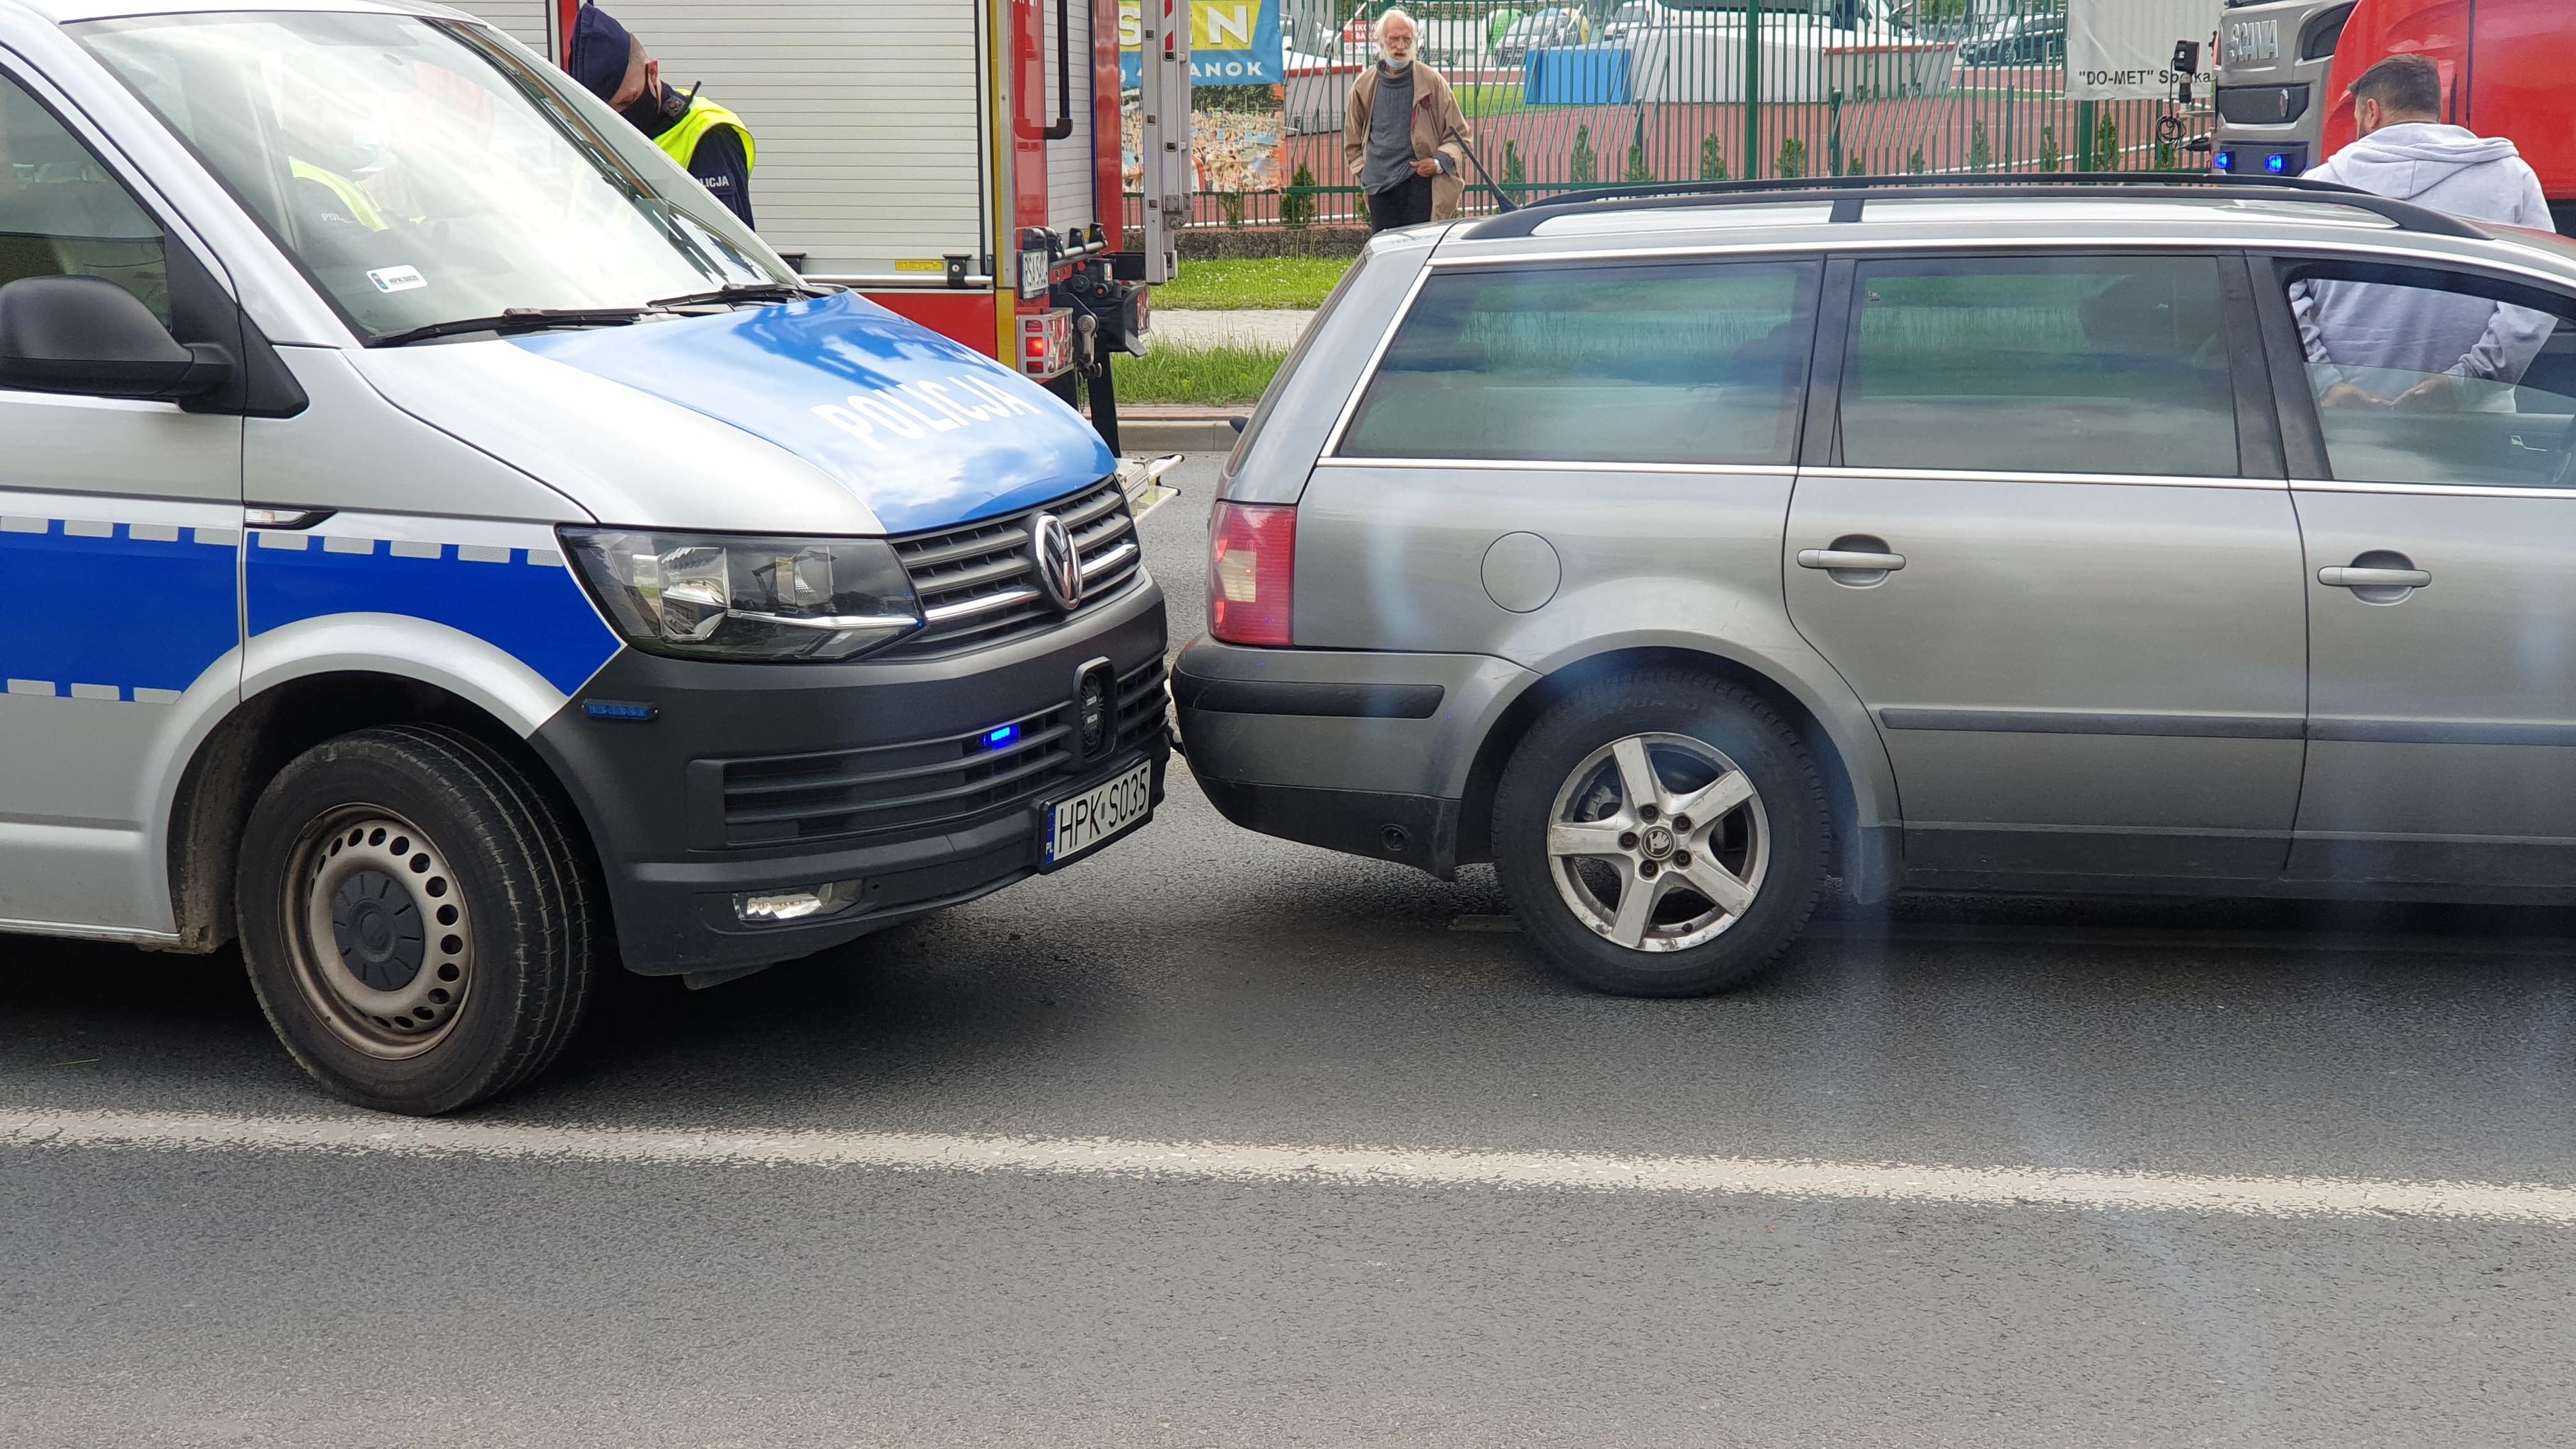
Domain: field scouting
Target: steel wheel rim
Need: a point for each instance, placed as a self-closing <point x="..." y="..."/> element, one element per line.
<point x="1658" y="842"/>
<point x="378" y="932"/>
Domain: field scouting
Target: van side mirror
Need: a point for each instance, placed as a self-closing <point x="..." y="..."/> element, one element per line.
<point x="90" y="336"/>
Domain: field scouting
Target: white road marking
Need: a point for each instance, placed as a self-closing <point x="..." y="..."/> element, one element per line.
<point x="2007" y="1187"/>
<point x="2100" y="938"/>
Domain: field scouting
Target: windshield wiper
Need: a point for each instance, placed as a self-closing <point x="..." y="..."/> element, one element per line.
<point x="516" y="319"/>
<point x="531" y="319"/>
<point x="743" y="292"/>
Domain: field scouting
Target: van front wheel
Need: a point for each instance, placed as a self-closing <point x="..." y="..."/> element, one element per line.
<point x="416" y="921"/>
<point x="1661" y="834"/>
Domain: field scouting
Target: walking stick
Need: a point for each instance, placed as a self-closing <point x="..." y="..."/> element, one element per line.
<point x="1505" y="202"/>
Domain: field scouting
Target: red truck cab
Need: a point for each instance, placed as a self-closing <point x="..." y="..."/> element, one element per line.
<point x="2508" y="69"/>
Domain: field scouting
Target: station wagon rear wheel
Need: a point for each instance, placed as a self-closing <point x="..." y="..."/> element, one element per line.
<point x="416" y="921"/>
<point x="1658" y="842"/>
<point x="1661" y="834"/>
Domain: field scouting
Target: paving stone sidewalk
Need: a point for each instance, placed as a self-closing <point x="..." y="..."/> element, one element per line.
<point x="1273" y="328"/>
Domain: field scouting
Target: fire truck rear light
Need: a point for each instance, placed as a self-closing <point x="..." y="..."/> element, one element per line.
<point x="1046" y="342"/>
<point x="1252" y="569"/>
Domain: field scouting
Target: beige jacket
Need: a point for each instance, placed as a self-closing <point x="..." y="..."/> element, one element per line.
<point x="1435" y="117"/>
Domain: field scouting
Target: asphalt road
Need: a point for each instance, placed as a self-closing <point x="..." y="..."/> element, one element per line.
<point x="602" y="1260"/>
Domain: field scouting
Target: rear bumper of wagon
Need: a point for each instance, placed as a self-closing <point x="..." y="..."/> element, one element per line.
<point x="1365" y="752"/>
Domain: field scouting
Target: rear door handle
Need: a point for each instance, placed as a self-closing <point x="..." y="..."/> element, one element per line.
<point x="1843" y="558"/>
<point x="2347" y="577"/>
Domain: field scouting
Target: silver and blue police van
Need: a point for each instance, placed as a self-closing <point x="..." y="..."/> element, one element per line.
<point x="451" y="556"/>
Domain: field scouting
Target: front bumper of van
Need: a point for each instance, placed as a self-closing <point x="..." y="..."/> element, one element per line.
<point x="924" y="782"/>
<point x="1357" y="751"/>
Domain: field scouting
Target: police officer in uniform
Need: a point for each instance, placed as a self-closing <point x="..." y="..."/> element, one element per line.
<point x="325" y="160"/>
<point x="709" y="141"/>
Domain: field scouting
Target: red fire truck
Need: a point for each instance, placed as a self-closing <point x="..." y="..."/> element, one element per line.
<point x="955" y="160"/>
<point x="2286" y="70"/>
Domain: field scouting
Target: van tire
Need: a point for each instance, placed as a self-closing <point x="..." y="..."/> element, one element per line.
<point x="1692" y="732"/>
<point x="461" y="921"/>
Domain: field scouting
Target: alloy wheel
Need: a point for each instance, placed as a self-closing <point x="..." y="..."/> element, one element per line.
<point x="1658" y="842"/>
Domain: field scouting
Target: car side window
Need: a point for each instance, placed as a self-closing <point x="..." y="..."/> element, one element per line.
<point x="2423" y="376"/>
<point x="1699" y="362"/>
<point x="2040" y="365"/>
<point x="63" y="214"/>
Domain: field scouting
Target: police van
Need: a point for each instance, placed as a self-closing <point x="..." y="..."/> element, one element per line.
<point x="453" y="557"/>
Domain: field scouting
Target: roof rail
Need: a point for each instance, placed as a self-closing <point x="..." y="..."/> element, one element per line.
<point x="1850" y="193"/>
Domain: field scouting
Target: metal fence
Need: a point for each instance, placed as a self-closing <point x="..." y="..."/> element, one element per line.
<point x="1604" y="92"/>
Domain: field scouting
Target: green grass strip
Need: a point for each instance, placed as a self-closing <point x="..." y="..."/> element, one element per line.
<point x="1198" y="374"/>
<point x="1251" y="282"/>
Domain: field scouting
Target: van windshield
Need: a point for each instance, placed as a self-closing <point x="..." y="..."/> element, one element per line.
<point x="420" y="172"/>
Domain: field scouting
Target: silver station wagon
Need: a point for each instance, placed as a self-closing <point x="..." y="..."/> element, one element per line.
<point x="1691" y="557"/>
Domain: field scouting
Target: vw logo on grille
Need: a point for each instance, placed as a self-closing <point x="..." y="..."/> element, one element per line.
<point x="1059" y="568"/>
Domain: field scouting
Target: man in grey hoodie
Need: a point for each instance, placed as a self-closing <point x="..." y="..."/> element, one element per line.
<point x="2428" y="348"/>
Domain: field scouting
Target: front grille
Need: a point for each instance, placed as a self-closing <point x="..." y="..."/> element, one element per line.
<point x="921" y="787"/>
<point x="2262" y="105"/>
<point x="978" y="584"/>
<point x="1142" y="706"/>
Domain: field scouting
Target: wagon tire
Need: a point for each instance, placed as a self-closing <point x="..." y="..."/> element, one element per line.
<point x="1661" y="833"/>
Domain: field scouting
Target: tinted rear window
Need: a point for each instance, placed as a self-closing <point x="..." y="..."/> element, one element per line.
<point x="1639" y="363"/>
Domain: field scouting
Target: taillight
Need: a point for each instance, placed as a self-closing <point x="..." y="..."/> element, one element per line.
<point x="1252" y="563"/>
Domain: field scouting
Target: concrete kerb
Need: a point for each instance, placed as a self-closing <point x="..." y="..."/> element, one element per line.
<point x="1212" y="431"/>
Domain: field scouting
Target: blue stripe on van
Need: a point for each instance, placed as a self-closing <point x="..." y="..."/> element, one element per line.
<point x="120" y="611"/>
<point x="535" y="612"/>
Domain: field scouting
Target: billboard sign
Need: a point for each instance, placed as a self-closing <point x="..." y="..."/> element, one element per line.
<point x="2123" y="50"/>
<point x="1232" y="43"/>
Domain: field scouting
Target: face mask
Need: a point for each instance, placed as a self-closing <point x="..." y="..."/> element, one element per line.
<point x="1397" y="63"/>
<point x="653" y="114"/>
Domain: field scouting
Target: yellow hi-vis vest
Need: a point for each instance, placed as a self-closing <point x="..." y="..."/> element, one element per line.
<point x="361" y="210"/>
<point x="681" y="141"/>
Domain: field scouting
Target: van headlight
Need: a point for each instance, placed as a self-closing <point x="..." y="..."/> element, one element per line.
<point x="741" y="597"/>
